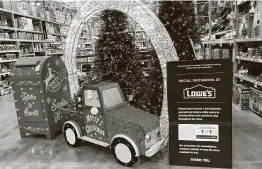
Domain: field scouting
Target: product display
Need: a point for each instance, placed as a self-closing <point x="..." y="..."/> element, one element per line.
<point x="255" y="101"/>
<point x="241" y="96"/>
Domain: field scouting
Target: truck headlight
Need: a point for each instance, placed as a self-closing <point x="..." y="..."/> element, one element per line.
<point x="147" y="138"/>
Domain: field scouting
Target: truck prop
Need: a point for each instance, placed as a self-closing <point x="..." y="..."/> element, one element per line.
<point x="102" y="117"/>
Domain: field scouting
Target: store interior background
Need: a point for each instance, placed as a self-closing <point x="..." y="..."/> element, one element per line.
<point x="228" y="30"/>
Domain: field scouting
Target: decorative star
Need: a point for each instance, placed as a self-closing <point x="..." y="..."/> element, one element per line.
<point x="48" y="100"/>
<point x="65" y="88"/>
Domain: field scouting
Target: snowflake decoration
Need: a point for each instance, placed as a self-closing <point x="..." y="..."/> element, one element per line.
<point x="48" y="100"/>
<point x="65" y="88"/>
<point x="57" y="62"/>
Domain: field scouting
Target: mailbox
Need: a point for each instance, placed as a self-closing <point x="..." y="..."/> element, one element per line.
<point x="40" y="87"/>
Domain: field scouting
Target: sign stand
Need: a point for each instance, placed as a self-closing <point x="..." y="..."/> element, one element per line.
<point x="200" y="113"/>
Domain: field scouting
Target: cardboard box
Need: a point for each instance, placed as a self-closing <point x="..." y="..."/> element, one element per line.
<point x="16" y="5"/>
<point x="255" y="101"/>
<point x="5" y="4"/>
<point x="241" y="96"/>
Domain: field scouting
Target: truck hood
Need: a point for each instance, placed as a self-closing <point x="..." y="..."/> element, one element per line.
<point x="134" y="115"/>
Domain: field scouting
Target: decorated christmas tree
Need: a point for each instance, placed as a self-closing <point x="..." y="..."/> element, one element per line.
<point x="116" y="55"/>
<point x="117" y="60"/>
<point x="179" y="19"/>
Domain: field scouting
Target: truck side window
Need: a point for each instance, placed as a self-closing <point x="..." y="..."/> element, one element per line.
<point x="91" y="98"/>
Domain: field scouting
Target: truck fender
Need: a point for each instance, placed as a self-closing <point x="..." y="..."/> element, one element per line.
<point x="75" y="125"/>
<point x="128" y="139"/>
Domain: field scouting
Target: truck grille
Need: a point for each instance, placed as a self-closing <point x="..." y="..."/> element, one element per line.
<point x="154" y="138"/>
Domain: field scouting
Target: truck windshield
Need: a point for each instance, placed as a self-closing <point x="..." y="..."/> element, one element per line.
<point x="112" y="97"/>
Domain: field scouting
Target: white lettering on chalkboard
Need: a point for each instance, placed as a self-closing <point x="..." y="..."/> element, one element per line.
<point x="58" y="105"/>
<point x="27" y="97"/>
<point x="90" y="128"/>
<point x="28" y="112"/>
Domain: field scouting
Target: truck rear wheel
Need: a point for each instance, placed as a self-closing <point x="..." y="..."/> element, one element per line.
<point x="71" y="136"/>
<point x="124" y="152"/>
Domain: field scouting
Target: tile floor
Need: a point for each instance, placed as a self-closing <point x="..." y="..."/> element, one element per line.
<point x="39" y="153"/>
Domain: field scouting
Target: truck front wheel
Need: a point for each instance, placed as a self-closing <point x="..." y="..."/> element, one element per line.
<point x="124" y="152"/>
<point x="71" y="136"/>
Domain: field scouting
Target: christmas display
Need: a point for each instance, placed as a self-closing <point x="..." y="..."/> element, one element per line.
<point x="41" y="87"/>
<point x="149" y="22"/>
<point x="99" y="118"/>
<point x="121" y="63"/>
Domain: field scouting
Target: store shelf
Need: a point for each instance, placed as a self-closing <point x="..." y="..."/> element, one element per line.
<point x="219" y="41"/>
<point x="55" y="54"/>
<point x="27" y="40"/>
<point x="8" y="40"/>
<point x="19" y="14"/>
<point x="54" y="22"/>
<point x="30" y="31"/>
<point x="10" y="51"/>
<point x="86" y="43"/>
<point x="248" y="58"/>
<point x="244" y="40"/>
<point x="54" y="34"/>
<point x="6" y="61"/>
<point x="27" y="16"/>
<point x="85" y="49"/>
<point x="223" y="32"/>
<point x="54" y="42"/>
<point x="39" y="51"/>
<point x="29" y="54"/>
<point x="7" y="28"/>
<point x="249" y="79"/>
<point x="5" y="73"/>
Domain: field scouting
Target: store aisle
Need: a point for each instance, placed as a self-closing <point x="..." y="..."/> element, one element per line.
<point x="38" y="153"/>
<point x="247" y="139"/>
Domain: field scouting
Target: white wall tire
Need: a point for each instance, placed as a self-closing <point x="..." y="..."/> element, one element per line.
<point x="71" y="136"/>
<point x="124" y="152"/>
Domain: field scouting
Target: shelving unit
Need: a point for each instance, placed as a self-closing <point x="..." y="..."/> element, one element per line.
<point x="26" y="25"/>
<point x="218" y="44"/>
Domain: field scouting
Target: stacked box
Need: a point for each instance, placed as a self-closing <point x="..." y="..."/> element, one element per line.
<point x="5" y="4"/>
<point x="241" y="96"/>
<point x="255" y="101"/>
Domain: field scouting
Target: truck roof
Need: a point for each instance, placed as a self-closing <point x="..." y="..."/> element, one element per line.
<point x="103" y="85"/>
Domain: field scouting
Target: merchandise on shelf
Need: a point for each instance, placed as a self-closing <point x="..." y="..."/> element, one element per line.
<point x="5" y="4"/>
<point x="255" y="101"/>
<point x="53" y="48"/>
<point x="241" y="95"/>
<point x="8" y="47"/>
<point x="39" y="47"/>
<point x="8" y="56"/>
<point x="26" y="48"/>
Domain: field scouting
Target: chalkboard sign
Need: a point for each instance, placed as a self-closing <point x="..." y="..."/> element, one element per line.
<point x="200" y="112"/>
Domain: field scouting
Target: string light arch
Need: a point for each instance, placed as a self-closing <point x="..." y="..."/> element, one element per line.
<point x="140" y="13"/>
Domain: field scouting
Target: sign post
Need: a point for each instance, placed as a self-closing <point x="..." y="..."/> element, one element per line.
<point x="200" y="113"/>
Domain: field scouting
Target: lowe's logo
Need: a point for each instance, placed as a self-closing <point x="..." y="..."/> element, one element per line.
<point x="199" y="92"/>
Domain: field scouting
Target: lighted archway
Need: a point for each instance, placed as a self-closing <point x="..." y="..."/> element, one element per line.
<point x="140" y="13"/>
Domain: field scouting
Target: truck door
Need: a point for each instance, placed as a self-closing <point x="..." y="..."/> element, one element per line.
<point x="94" y="116"/>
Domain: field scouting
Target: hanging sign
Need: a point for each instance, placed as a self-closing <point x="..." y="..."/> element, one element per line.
<point x="200" y="112"/>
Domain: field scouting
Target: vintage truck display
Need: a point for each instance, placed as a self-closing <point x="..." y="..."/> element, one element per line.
<point x="102" y="117"/>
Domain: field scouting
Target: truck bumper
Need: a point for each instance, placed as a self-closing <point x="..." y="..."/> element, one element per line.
<point x="155" y="148"/>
